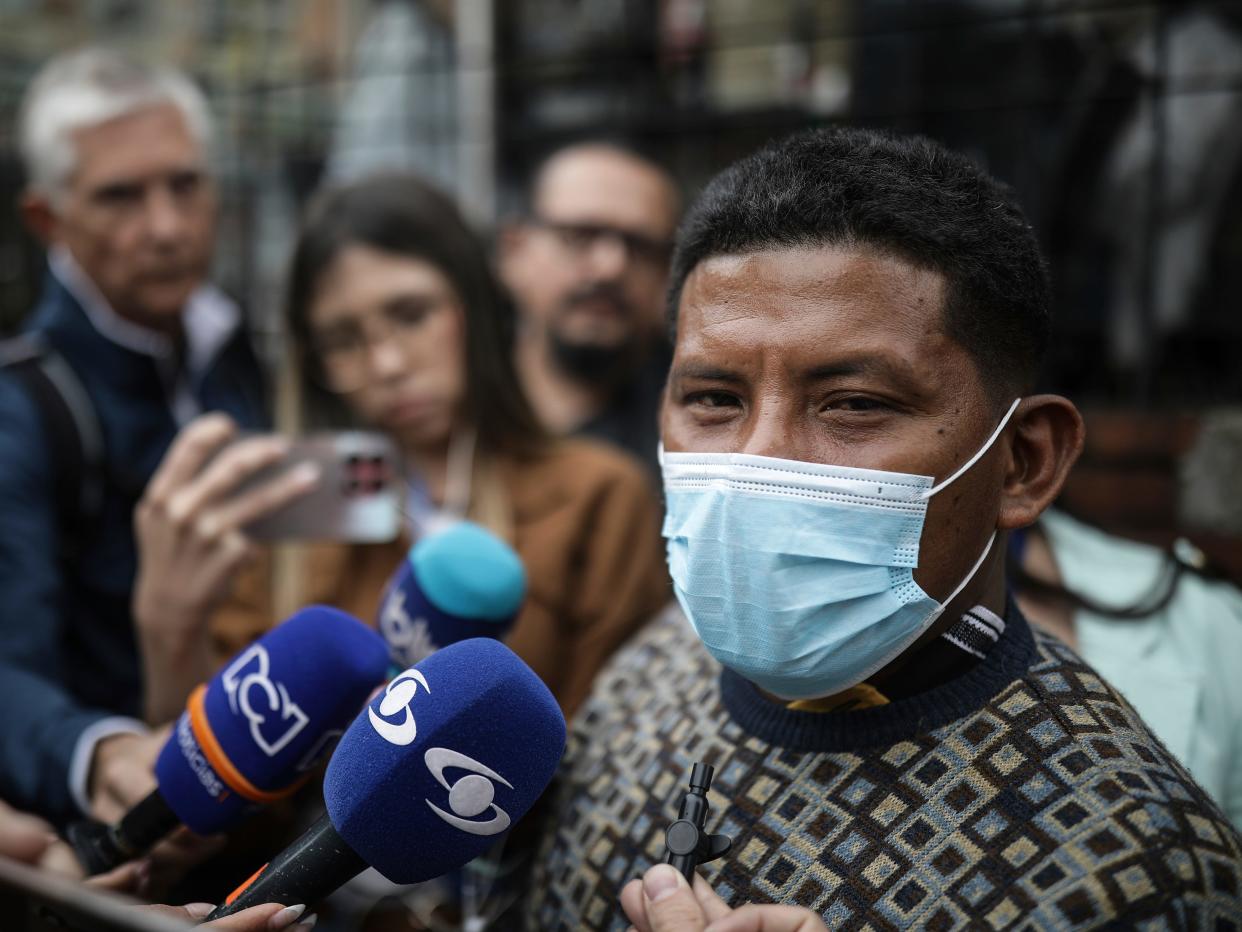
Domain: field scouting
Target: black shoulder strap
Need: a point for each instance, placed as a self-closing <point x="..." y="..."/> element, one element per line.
<point x="75" y="440"/>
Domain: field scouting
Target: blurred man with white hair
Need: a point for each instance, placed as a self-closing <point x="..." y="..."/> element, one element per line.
<point x="128" y="343"/>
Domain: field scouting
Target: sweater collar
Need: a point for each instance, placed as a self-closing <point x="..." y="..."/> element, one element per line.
<point x="903" y="719"/>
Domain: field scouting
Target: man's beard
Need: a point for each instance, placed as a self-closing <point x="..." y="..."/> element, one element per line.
<point x="592" y="363"/>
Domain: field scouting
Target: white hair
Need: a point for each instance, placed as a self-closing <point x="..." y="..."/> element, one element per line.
<point x="81" y="89"/>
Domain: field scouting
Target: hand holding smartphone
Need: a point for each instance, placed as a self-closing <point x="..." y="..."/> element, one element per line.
<point x="356" y="498"/>
<point x="214" y="496"/>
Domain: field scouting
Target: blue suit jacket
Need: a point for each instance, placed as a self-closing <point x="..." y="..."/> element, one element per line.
<point x="68" y="655"/>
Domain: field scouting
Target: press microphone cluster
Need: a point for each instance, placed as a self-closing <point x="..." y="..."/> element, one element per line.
<point x="459" y="583"/>
<point x="452" y="753"/>
<point x="249" y="736"/>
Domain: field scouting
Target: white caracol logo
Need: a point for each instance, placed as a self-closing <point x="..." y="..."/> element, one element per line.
<point x="397" y="696"/>
<point x="470" y="795"/>
<point x="240" y="680"/>
<point x="409" y="640"/>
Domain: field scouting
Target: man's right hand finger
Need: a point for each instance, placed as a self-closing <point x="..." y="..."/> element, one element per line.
<point x="256" y="503"/>
<point x="671" y="905"/>
<point x="769" y="918"/>
<point x="122" y="773"/>
<point x="128" y="878"/>
<point x="227" y="471"/>
<point x="191" y="448"/>
<point x="23" y="837"/>
<point x="713" y="906"/>
<point x="171" y="859"/>
<point x="634" y="905"/>
<point x="108" y="804"/>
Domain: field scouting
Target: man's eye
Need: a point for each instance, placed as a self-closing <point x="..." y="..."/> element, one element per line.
<point x="858" y="403"/>
<point x="185" y="183"/>
<point x="119" y="194"/>
<point x="576" y="238"/>
<point x="713" y="400"/>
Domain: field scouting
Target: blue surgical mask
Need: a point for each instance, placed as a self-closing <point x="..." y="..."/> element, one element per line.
<point x="800" y="576"/>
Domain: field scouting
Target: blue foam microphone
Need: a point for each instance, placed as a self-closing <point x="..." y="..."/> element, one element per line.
<point x="459" y="583"/>
<point x="252" y="734"/>
<point x="438" y="766"/>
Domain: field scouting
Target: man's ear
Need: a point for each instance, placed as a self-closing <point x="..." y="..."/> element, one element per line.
<point x="38" y="215"/>
<point x="1045" y="444"/>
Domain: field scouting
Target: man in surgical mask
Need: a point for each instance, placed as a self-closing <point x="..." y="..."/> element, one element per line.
<point x="849" y="431"/>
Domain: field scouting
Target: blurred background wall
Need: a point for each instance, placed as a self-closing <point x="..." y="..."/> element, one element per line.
<point x="1119" y="123"/>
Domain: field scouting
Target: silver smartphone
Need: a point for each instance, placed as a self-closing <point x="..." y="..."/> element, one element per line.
<point x="357" y="499"/>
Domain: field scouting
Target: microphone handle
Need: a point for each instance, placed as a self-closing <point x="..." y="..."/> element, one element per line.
<point x="101" y="847"/>
<point x="308" y="870"/>
<point x="146" y="824"/>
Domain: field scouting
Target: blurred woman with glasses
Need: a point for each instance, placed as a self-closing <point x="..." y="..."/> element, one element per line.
<point x="399" y="325"/>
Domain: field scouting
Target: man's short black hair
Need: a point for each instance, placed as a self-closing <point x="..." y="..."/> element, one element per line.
<point x="900" y="195"/>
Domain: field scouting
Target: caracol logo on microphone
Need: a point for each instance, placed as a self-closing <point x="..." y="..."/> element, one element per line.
<point x="245" y="680"/>
<point x="397" y="696"/>
<point x="470" y="795"/>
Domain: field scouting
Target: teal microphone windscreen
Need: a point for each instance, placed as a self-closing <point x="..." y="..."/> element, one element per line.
<point x="458" y="583"/>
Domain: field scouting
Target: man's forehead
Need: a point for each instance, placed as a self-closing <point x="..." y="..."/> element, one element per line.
<point x="154" y="138"/>
<point x="814" y="285"/>
<point x="606" y="186"/>
<point x="825" y="271"/>
<point x="814" y="306"/>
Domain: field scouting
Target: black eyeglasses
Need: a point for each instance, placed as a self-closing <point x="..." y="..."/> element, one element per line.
<point x="580" y="239"/>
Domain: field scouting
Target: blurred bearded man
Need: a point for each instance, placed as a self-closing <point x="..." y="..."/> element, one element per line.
<point x="588" y="267"/>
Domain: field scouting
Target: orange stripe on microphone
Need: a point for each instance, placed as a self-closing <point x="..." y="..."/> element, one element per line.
<point x="232" y="897"/>
<point x="220" y="762"/>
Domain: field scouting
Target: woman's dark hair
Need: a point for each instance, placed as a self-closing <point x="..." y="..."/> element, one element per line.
<point x="405" y="216"/>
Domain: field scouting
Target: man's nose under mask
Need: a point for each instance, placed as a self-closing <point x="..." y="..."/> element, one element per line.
<point x="800" y="576"/>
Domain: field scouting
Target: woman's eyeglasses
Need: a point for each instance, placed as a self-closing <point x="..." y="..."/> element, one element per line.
<point x="343" y="348"/>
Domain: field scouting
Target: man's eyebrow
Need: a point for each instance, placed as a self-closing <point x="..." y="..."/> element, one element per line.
<point x="705" y="372"/>
<point x="117" y="185"/>
<point x="870" y="364"/>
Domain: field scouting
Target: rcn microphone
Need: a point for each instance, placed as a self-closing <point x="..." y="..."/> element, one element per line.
<point x="251" y="735"/>
<point x="459" y="583"/>
<point x="453" y="752"/>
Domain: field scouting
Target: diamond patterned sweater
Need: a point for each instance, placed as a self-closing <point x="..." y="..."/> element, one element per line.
<point x="1026" y="793"/>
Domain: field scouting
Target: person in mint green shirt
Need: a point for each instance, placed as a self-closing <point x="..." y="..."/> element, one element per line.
<point x="1166" y="636"/>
